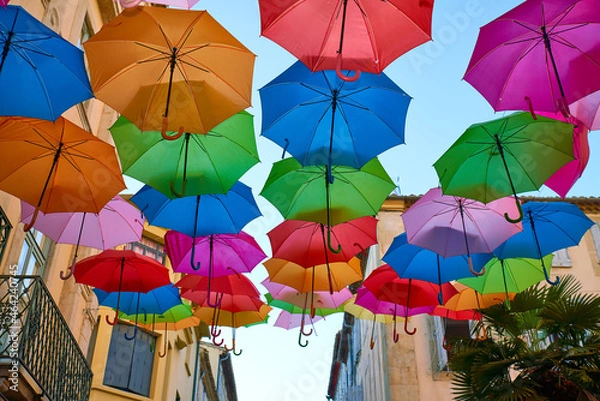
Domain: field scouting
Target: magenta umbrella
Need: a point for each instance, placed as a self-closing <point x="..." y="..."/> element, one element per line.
<point x="3" y="3"/>
<point x="369" y="301"/>
<point x="453" y="226"/>
<point x="563" y="180"/>
<point x="119" y="222"/>
<point x="541" y="55"/>
<point x="321" y="299"/>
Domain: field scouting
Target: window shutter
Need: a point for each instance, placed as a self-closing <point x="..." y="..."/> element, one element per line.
<point x="141" y="369"/>
<point x="562" y="258"/>
<point x="596" y="237"/>
<point x="118" y="363"/>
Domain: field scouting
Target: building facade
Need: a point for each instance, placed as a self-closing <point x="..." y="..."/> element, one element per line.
<point x="415" y="368"/>
<point x="54" y="342"/>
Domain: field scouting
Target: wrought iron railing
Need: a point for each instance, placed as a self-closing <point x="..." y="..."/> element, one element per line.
<point x="31" y="322"/>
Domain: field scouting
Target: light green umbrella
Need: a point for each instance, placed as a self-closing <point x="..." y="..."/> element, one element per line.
<point x="192" y="164"/>
<point x="312" y="194"/>
<point x="506" y="156"/>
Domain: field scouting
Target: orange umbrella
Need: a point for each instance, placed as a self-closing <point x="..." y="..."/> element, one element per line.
<point x="57" y="166"/>
<point x="468" y="299"/>
<point x="167" y="69"/>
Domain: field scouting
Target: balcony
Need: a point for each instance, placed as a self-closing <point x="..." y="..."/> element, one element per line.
<point x="36" y="341"/>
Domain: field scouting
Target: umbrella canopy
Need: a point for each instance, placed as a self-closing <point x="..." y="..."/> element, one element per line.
<point x="320" y="119"/>
<point x="233" y="319"/>
<point x="167" y="69"/>
<point x="360" y="312"/>
<point x="176" y="318"/>
<point x="311" y="194"/>
<point x="587" y="110"/>
<point x="564" y="178"/>
<point x="57" y="166"/>
<point x="233" y="284"/>
<point x="301" y="310"/>
<point x="547" y="227"/>
<point x="364" y="35"/>
<point x="469" y="299"/>
<point x="411" y="261"/>
<point x="192" y="164"/>
<point x="520" y="153"/>
<point x="316" y="278"/>
<point x="288" y="321"/>
<point x="508" y="275"/>
<point x="228" y="302"/>
<point x="289" y="295"/>
<point x="455" y="315"/>
<point x="452" y="226"/>
<point x="304" y="242"/>
<point x="213" y="255"/>
<point x="157" y="301"/>
<point x="201" y="214"/>
<point x="534" y="56"/>
<point x="53" y="77"/>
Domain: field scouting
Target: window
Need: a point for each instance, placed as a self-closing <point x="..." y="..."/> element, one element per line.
<point x="149" y="248"/>
<point x="34" y="253"/>
<point x="453" y="330"/>
<point x="596" y="238"/>
<point x="562" y="258"/>
<point x="5" y="228"/>
<point x="129" y="363"/>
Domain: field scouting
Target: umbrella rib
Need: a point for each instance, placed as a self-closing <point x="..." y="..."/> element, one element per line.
<point x="563" y="15"/>
<point x="166" y="54"/>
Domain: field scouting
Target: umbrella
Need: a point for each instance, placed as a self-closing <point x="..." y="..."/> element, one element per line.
<point x="41" y="74"/>
<point x="453" y="226"/>
<point x="288" y="320"/>
<point x="547" y="227"/>
<point x="118" y="222"/>
<point x="216" y="317"/>
<point x="587" y="110"/>
<point x="446" y="314"/>
<point x="213" y="255"/>
<point x="228" y="302"/>
<point x="519" y="154"/>
<point x="194" y="164"/>
<point x="121" y="271"/>
<point x="535" y="55"/>
<point x="167" y="69"/>
<point x="363" y="313"/>
<point x="314" y="278"/>
<point x="369" y="301"/>
<point x="3" y="3"/>
<point x="158" y="301"/>
<point x="411" y="261"/>
<point x="508" y="275"/>
<point x="312" y="194"/>
<point x="176" y="318"/>
<point x="469" y="299"/>
<point x="320" y="119"/>
<point x="201" y="214"/>
<point x="57" y="166"/>
<point x="364" y="35"/>
<point x="304" y="242"/>
<point x="563" y="180"/>
<point x="291" y="296"/>
<point x="385" y="285"/>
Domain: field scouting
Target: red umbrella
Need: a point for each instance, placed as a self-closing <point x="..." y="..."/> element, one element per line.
<point x="305" y="243"/>
<point x="385" y="285"/>
<point x="121" y="271"/>
<point x="370" y="33"/>
<point x="232" y="284"/>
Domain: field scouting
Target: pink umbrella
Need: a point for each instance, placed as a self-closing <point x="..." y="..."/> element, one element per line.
<point x="173" y="3"/>
<point x="542" y="54"/>
<point x="321" y="299"/>
<point x="453" y="226"/>
<point x="587" y="110"/>
<point x="369" y="301"/>
<point x="213" y="255"/>
<point x="563" y="180"/>
<point x="290" y="321"/>
<point x="119" y="222"/>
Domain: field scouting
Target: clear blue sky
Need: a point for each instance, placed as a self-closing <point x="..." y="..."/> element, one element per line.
<point x="273" y="367"/>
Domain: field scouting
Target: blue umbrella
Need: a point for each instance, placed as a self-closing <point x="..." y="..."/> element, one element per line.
<point x="41" y="74"/>
<point x="411" y="261"/>
<point x="156" y="301"/>
<point x="199" y="215"/>
<point x="547" y="227"/>
<point x="322" y="120"/>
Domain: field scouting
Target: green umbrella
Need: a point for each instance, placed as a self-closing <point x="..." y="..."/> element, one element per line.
<point x="192" y="164"/>
<point x="506" y="156"/>
<point x="508" y="275"/>
<point x="312" y="194"/>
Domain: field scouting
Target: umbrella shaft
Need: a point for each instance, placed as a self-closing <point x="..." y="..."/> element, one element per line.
<point x="6" y="49"/>
<point x="548" y="45"/>
<point x="54" y="162"/>
<point x="343" y="26"/>
<point x="173" y="63"/>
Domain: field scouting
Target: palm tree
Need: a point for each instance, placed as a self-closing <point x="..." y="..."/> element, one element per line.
<point x="544" y="345"/>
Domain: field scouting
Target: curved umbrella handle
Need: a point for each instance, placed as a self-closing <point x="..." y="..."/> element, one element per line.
<point x="217" y="300"/>
<point x="519" y="218"/>
<point x="410" y="333"/>
<point x="300" y="340"/>
<point x="163" y="131"/>
<point x="303" y="333"/>
<point x="214" y="339"/>
<point x="446" y="345"/>
<point x="216" y="332"/>
<point x="372" y="342"/>
<point x="192" y="257"/>
<point x="175" y="192"/>
<point x="396" y="335"/>
<point x="287" y="143"/>
<point x="68" y="274"/>
<point x="531" y="111"/>
<point x="481" y="337"/>
<point x="115" y="319"/>
<point x="548" y="277"/>
<point x="338" y="71"/>
<point x="472" y="270"/>
<point x="236" y="353"/>
<point x="135" y="330"/>
<point x="29" y="225"/>
<point x="339" y="247"/>
<point x="313" y="312"/>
